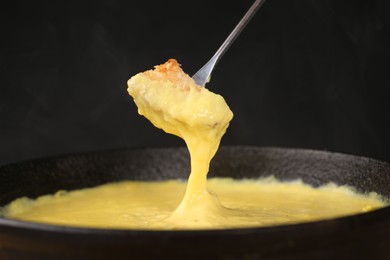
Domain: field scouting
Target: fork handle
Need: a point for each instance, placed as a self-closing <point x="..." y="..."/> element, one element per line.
<point x="203" y="75"/>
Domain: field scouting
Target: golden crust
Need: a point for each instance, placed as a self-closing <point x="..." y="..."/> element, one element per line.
<point x="172" y="72"/>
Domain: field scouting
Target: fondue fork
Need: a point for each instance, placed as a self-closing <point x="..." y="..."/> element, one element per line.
<point x="204" y="74"/>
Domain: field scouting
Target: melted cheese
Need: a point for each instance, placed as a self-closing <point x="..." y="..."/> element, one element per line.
<point x="149" y="205"/>
<point x="171" y="100"/>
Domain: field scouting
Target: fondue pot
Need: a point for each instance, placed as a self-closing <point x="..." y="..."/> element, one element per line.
<point x="361" y="236"/>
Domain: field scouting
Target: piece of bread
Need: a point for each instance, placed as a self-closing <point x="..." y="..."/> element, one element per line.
<point x="171" y="100"/>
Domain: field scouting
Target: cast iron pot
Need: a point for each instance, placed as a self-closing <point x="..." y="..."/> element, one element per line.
<point x="363" y="236"/>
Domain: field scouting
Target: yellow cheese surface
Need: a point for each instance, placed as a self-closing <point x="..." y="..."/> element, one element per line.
<point x="149" y="205"/>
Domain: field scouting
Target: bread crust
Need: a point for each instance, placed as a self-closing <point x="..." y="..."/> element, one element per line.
<point x="172" y="72"/>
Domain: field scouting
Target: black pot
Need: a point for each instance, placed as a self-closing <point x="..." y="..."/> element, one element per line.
<point x="362" y="236"/>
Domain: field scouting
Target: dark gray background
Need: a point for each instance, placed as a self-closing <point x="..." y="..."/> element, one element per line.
<point x="304" y="73"/>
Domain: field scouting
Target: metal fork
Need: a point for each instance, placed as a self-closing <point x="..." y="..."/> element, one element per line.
<point x="204" y="74"/>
